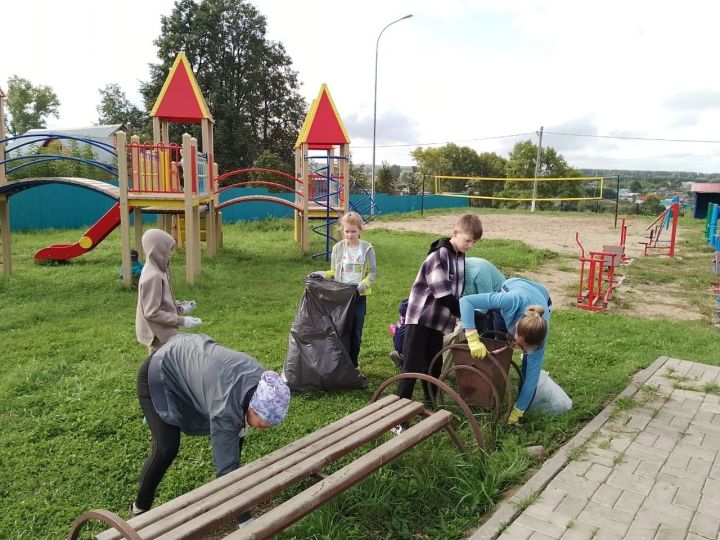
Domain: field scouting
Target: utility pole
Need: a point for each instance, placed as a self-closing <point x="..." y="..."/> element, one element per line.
<point x="537" y="168"/>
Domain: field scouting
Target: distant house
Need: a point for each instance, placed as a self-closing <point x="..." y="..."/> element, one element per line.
<point x="43" y="138"/>
<point x="705" y="193"/>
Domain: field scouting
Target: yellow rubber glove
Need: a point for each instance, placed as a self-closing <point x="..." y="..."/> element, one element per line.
<point x="477" y="349"/>
<point x="515" y="416"/>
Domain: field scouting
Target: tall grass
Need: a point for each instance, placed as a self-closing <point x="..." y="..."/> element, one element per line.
<point x="71" y="435"/>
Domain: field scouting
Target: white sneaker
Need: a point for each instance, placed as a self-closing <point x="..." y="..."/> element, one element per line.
<point x="187" y="306"/>
<point x="397" y="430"/>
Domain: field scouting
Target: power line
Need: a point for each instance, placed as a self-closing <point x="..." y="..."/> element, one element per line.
<point x="532" y="133"/>
<point x="632" y="138"/>
<point x="448" y="142"/>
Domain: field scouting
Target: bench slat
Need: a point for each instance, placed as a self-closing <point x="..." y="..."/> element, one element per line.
<point x="302" y="504"/>
<point x="202" y="492"/>
<point x="312" y="461"/>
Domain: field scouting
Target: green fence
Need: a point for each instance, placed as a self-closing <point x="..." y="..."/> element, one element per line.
<point x="58" y="206"/>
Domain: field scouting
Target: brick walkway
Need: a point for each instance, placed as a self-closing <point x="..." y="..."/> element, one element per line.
<point x="647" y="467"/>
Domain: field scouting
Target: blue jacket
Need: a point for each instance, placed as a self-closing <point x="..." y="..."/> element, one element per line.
<point x="203" y="388"/>
<point x="515" y="296"/>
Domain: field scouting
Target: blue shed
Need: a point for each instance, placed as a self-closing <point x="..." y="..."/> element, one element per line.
<point x="705" y="193"/>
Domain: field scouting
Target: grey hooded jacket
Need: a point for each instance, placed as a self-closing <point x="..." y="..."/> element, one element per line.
<point x="202" y="387"/>
<point x="156" y="314"/>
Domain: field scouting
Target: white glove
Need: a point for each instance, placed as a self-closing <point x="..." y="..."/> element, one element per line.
<point x="187" y="306"/>
<point x="191" y="322"/>
<point x="361" y="288"/>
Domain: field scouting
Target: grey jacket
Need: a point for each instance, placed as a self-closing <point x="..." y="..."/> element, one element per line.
<point x="156" y="314"/>
<point x="369" y="268"/>
<point x="202" y="388"/>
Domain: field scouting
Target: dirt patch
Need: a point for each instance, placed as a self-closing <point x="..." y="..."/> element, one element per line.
<point x="557" y="233"/>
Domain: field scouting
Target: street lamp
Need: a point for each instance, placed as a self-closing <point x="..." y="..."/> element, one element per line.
<point x="372" y="177"/>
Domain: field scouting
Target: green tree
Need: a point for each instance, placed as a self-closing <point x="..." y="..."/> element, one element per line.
<point x="386" y="182"/>
<point x="454" y="160"/>
<point x="247" y="80"/>
<point x="116" y="108"/>
<point x="635" y="186"/>
<point x="270" y="160"/>
<point x="521" y="164"/>
<point x="360" y="178"/>
<point x="29" y="106"/>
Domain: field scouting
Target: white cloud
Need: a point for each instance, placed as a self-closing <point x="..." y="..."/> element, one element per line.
<point x="458" y="70"/>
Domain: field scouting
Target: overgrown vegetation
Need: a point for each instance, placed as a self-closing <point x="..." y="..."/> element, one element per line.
<point x="72" y="437"/>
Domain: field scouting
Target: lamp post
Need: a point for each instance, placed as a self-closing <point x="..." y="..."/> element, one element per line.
<point x="372" y="177"/>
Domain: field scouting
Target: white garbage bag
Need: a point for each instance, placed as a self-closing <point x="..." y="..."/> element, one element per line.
<point x="549" y="397"/>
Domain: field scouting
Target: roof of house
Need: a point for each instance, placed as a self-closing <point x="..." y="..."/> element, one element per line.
<point x="33" y="138"/>
<point x="705" y="187"/>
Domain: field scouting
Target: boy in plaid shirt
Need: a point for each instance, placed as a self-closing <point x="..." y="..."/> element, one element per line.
<point x="434" y="302"/>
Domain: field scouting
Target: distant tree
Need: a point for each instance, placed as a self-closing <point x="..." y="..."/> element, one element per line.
<point x="29" y="106"/>
<point x="410" y="182"/>
<point x="635" y="186"/>
<point x="521" y="164"/>
<point x="652" y="205"/>
<point x="386" y="182"/>
<point x="116" y="108"/>
<point x="454" y="160"/>
<point x="247" y="79"/>
<point x="270" y="160"/>
<point x="360" y="178"/>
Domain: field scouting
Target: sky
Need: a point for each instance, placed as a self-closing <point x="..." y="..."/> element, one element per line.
<point x="601" y="78"/>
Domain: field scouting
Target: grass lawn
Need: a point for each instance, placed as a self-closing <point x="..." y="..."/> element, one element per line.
<point x="72" y="437"/>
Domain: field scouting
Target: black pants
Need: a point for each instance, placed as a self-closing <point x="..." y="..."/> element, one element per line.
<point x="165" y="443"/>
<point x="165" y="446"/>
<point x="420" y="346"/>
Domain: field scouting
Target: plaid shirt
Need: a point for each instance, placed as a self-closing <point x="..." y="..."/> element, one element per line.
<point x="442" y="274"/>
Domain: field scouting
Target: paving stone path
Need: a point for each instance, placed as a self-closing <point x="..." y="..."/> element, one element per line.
<point x="647" y="467"/>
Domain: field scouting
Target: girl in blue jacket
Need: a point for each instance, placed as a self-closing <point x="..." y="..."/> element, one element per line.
<point x="525" y="308"/>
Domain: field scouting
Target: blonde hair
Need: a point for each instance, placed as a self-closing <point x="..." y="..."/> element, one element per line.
<point x="532" y="328"/>
<point x="471" y="225"/>
<point x="351" y="218"/>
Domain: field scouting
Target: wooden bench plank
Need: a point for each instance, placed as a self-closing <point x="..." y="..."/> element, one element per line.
<point x="302" y="504"/>
<point x="222" y="494"/>
<point x="277" y="479"/>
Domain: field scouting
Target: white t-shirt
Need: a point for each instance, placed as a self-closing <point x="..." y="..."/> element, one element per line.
<point x="352" y="265"/>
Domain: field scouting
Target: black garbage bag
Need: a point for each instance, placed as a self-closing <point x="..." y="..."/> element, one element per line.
<point x="318" y="355"/>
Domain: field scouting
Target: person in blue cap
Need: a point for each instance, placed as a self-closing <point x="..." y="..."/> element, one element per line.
<point x="195" y="386"/>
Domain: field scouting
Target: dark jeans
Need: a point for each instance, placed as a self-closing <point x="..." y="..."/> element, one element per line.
<point x="492" y="320"/>
<point x="165" y="445"/>
<point x="357" y="327"/>
<point x="421" y="345"/>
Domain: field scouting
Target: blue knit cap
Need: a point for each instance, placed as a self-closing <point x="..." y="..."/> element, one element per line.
<point x="271" y="398"/>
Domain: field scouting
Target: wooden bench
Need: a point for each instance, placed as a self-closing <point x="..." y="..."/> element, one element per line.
<point x="220" y="501"/>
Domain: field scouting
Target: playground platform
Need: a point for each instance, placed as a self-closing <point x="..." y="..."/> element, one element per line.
<point x="647" y="467"/>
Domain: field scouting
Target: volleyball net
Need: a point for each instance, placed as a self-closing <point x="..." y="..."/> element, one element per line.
<point x="521" y="189"/>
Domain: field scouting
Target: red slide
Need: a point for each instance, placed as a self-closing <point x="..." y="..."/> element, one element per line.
<point x="94" y="235"/>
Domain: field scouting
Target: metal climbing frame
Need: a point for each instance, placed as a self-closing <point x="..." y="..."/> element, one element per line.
<point x="597" y="281"/>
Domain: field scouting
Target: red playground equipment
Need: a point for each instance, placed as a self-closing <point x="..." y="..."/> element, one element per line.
<point x="598" y="280"/>
<point x="668" y="219"/>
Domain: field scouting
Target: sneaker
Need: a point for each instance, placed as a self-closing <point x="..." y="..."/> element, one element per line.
<point x="135" y="511"/>
<point x="397" y="430"/>
<point x="397" y="359"/>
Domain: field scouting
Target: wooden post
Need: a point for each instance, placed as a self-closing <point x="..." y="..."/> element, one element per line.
<point x="305" y="226"/>
<point x="5" y="237"/>
<point x="124" y="209"/>
<point x="137" y="214"/>
<point x="188" y="210"/>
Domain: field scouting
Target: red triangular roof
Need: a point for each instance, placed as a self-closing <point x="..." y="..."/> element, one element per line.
<point x="323" y="127"/>
<point x="180" y="99"/>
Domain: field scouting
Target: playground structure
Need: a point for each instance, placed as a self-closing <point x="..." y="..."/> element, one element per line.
<point x="712" y="235"/>
<point x="655" y="242"/>
<point x="598" y="272"/>
<point x="181" y="183"/>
